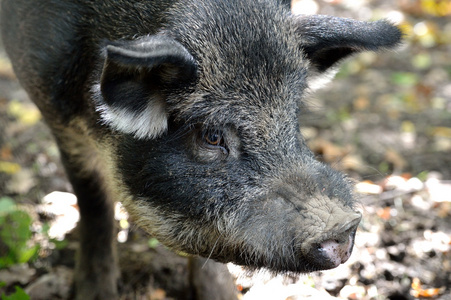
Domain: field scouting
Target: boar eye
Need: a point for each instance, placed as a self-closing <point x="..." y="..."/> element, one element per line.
<point x="214" y="139"/>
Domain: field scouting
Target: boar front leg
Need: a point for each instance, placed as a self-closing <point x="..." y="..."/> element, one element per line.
<point x="96" y="271"/>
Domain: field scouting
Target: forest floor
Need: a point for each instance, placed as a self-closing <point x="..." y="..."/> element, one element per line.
<point x="385" y="120"/>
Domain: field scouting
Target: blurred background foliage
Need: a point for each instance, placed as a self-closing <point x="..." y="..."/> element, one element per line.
<point x="388" y="112"/>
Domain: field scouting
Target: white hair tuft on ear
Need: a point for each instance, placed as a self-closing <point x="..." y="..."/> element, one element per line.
<point x="149" y="123"/>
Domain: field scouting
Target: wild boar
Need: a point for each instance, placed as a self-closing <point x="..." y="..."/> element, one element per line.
<point x="188" y="113"/>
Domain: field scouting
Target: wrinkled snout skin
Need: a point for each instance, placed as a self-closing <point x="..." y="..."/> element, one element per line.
<point x="188" y="113"/>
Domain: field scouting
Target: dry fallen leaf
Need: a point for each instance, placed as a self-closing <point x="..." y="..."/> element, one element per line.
<point x="418" y="292"/>
<point x="158" y="294"/>
<point x="368" y="187"/>
<point x="27" y="114"/>
<point x="384" y="213"/>
<point x="6" y="153"/>
<point x="9" y="167"/>
<point x="338" y="156"/>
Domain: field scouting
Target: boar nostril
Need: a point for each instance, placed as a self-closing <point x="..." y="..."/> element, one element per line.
<point x="338" y="248"/>
<point x="335" y="252"/>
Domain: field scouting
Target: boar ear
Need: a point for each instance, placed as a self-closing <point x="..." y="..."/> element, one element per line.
<point x="326" y="40"/>
<point x="136" y="77"/>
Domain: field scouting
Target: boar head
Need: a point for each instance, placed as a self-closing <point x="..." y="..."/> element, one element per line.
<point x="208" y="149"/>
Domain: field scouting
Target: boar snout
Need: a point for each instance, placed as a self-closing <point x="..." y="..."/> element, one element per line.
<point x="337" y="250"/>
<point x="321" y="211"/>
<point x="331" y="231"/>
<point x="332" y="228"/>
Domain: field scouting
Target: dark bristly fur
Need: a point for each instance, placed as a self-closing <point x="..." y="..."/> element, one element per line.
<point x="187" y="112"/>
